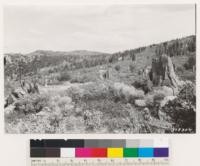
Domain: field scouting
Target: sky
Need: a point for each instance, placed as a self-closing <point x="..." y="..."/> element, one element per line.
<point x="103" y="28"/>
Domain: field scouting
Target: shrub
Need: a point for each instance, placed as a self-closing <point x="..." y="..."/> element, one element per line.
<point x="119" y="124"/>
<point x="70" y="125"/>
<point x="158" y="97"/>
<point x="182" y="114"/>
<point x="123" y="115"/>
<point x="182" y="111"/>
<point x="143" y="84"/>
<point x="125" y="92"/>
<point x="50" y="71"/>
<point x="76" y="93"/>
<point x="8" y="87"/>
<point x="30" y="123"/>
<point x="190" y="63"/>
<point x="31" y="104"/>
<point x="132" y="68"/>
<point x="63" y="105"/>
<point x="188" y="92"/>
<point x="92" y="119"/>
<point x="139" y="72"/>
<point x="180" y="69"/>
<point x="64" y="76"/>
<point x="117" y="68"/>
<point x="188" y="75"/>
<point x="81" y="79"/>
<point x="95" y="91"/>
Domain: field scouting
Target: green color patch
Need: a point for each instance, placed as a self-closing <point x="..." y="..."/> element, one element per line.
<point x="130" y="152"/>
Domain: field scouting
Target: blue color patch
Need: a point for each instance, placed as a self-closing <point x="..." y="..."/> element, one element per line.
<point x="145" y="152"/>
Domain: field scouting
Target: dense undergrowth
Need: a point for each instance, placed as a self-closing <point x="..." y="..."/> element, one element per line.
<point x="103" y="107"/>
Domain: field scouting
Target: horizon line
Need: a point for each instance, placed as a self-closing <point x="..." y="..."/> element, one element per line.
<point x="100" y="51"/>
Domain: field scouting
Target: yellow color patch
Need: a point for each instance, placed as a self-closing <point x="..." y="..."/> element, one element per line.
<point x="115" y="152"/>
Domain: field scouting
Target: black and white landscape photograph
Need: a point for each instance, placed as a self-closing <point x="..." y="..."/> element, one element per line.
<point x="79" y="69"/>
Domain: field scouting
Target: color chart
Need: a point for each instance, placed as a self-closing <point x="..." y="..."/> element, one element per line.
<point x="99" y="152"/>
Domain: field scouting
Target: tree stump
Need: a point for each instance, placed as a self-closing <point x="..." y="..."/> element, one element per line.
<point x="163" y="69"/>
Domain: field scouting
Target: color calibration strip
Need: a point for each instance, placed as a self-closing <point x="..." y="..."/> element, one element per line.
<point x="99" y="148"/>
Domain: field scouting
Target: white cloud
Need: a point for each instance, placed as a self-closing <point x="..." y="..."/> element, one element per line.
<point x="100" y="28"/>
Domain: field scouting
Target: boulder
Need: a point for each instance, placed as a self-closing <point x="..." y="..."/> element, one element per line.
<point x="140" y="103"/>
<point x="166" y="100"/>
<point x="165" y="90"/>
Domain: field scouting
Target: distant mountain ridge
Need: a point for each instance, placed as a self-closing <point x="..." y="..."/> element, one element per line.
<point x="94" y="53"/>
<point x="65" y="53"/>
<point x="84" y="58"/>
